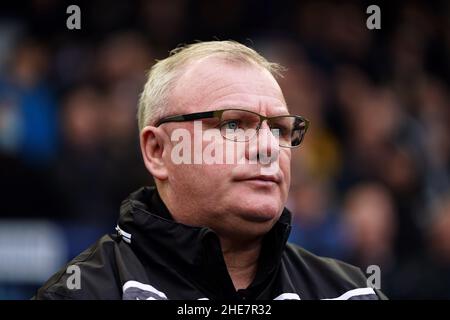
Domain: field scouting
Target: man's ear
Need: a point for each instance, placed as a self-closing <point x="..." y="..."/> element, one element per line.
<point x="152" y="148"/>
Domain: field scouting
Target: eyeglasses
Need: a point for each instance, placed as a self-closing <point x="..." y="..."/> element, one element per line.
<point x="242" y="125"/>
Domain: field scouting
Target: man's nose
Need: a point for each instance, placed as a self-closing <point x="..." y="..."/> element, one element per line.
<point x="264" y="148"/>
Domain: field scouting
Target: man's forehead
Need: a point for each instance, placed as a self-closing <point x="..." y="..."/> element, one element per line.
<point x="212" y="83"/>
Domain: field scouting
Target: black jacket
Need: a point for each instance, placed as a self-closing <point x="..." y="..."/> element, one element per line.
<point x="154" y="257"/>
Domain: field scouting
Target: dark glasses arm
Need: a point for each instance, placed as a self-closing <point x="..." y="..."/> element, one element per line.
<point x="188" y="117"/>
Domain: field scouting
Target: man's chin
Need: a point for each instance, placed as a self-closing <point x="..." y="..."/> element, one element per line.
<point x="258" y="207"/>
<point x="259" y="217"/>
<point x="259" y="212"/>
<point x="249" y="223"/>
<point x="254" y="225"/>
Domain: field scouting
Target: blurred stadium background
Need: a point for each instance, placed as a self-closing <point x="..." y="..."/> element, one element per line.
<point x="371" y="185"/>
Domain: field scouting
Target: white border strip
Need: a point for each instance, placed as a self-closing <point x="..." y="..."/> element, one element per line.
<point x="288" y="296"/>
<point x="354" y="293"/>
<point x="125" y="235"/>
<point x="145" y="287"/>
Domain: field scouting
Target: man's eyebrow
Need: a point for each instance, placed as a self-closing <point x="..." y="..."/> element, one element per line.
<point x="277" y="114"/>
<point x="281" y="110"/>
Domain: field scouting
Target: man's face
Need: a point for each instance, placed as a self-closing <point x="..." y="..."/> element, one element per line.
<point x="232" y="199"/>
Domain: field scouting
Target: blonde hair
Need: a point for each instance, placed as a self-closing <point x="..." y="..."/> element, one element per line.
<point x="162" y="76"/>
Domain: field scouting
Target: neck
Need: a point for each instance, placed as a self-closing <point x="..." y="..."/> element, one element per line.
<point x="241" y="260"/>
<point x="240" y="254"/>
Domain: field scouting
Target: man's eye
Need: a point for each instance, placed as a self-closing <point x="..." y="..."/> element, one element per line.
<point x="232" y="125"/>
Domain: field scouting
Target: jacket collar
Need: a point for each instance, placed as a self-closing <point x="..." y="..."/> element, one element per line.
<point x="147" y="225"/>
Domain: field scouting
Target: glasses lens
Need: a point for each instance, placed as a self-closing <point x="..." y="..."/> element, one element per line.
<point x="242" y="126"/>
<point x="238" y="125"/>
<point x="290" y="130"/>
<point x="298" y="131"/>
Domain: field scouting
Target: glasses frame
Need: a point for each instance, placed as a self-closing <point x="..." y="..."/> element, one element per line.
<point x="218" y="114"/>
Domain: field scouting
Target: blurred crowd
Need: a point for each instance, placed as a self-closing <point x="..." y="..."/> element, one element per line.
<point x="371" y="183"/>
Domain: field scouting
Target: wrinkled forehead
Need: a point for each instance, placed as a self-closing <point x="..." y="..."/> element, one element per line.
<point x="214" y="83"/>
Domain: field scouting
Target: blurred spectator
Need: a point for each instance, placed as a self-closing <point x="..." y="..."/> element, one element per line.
<point x="80" y="163"/>
<point x="165" y="22"/>
<point x="27" y="106"/>
<point x="370" y="222"/>
<point x="100" y="158"/>
<point x="124" y="57"/>
<point x="316" y="225"/>
<point x="426" y="275"/>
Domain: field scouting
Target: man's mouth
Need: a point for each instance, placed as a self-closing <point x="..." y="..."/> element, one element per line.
<point x="262" y="179"/>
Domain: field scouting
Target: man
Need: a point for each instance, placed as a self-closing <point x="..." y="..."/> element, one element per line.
<point x="216" y="135"/>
